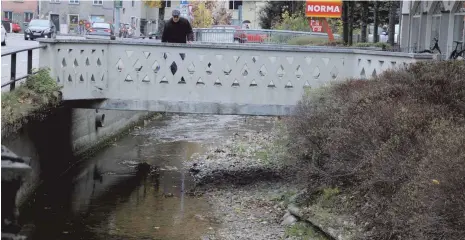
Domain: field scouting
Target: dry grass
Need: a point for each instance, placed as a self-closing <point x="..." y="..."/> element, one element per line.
<point x="39" y="93"/>
<point x="395" y="145"/>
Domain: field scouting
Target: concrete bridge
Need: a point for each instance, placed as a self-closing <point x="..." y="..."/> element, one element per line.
<point x="204" y="78"/>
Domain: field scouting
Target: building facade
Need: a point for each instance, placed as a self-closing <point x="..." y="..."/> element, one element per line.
<point x="20" y="12"/>
<point x="143" y="19"/>
<point x="66" y="14"/>
<point x="422" y="21"/>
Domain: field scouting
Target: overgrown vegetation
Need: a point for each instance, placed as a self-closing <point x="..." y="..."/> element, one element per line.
<point x="37" y="94"/>
<point x="394" y="148"/>
<point x="304" y="231"/>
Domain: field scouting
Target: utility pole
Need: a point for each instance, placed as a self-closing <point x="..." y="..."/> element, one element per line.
<point x="118" y="5"/>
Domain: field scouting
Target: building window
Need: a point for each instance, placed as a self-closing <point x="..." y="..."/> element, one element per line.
<point x="54" y="1"/>
<point x="235" y="4"/>
<point x="168" y="4"/>
<point x="28" y="16"/>
<point x="8" y="15"/>
<point x="98" y="2"/>
<point x="73" y="1"/>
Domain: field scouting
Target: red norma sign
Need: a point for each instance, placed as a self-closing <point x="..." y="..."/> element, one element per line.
<point x="324" y="9"/>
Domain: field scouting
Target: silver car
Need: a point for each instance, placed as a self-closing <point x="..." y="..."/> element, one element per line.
<point x="101" y="31"/>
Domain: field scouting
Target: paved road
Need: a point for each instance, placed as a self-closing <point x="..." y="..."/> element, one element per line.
<point x="15" y="42"/>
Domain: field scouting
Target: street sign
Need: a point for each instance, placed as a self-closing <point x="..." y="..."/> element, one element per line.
<point x="118" y="3"/>
<point x="323" y="8"/>
<point x="184" y="9"/>
<point x="316" y="25"/>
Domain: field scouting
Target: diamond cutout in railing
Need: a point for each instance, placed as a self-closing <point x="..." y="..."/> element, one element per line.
<point x="59" y="50"/>
<point x="103" y="52"/>
<point x="182" y="55"/>
<point x="272" y="59"/>
<point x="359" y="60"/>
<point x="120" y="65"/>
<point x="137" y="66"/>
<point x="128" y="78"/>
<point x="369" y="62"/>
<point x="155" y="67"/>
<point x="308" y="60"/>
<point x="209" y="69"/>
<point x="63" y="63"/>
<point x="280" y="71"/>
<point x="93" y="50"/>
<point x="253" y="84"/>
<point x="98" y="62"/>
<point x="290" y="60"/>
<point x="289" y="85"/>
<point x="102" y="78"/>
<point x="263" y="71"/>
<point x="244" y="70"/>
<point x="164" y="80"/>
<point x="58" y="79"/>
<point x="316" y="73"/>
<point x="381" y="63"/>
<point x="129" y="53"/>
<point x="307" y="85"/>
<point x="393" y="64"/>
<point x="70" y="79"/>
<point x="146" y="79"/>
<point x="92" y="78"/>
<point x="227" y="70"/>
<point x="334" y="72"/>
<point x="82" y="51"/>
<point x="81" y="78"/>
<point x="362" y="73"/>
<point x="173" y="68"/>
<point x="235" y="83"/>
<point x="87" y="62"/>
<point x="165" y="55"/>
<point x="200" y="82"/>
<point x="146" y="54"/>
<point x="298" y="72"/>
<point x="236" y="58"/>
<point x="70" y="50"/>
<point x="75" y="64"/>
<point x="217" y="82"/>
<point x="254" y="59"/>
<point x="271" y="84"/>
<point x="191" y="68"/>
<point x="182" y="81"/>
<point x="325" y="60"/>
<point x="374" y="74"/>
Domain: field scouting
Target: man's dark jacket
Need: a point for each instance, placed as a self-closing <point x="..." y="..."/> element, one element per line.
<point x="177" y="32"/>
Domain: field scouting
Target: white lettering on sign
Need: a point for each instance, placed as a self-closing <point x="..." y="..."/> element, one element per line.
<point x="323" y="8"/>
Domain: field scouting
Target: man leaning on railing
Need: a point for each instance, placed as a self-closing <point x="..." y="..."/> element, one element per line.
<point x="177" y="29"/>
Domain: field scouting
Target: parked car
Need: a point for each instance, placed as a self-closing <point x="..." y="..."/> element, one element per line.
<point x="38" y="28"/>
<point x="244" y="35"/>
<point x="16" y="28"/>
<point x="3" y="37"/>
<point x="101" y="30"/>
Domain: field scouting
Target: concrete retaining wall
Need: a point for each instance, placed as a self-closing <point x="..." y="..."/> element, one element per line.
<point x="84" y="135"/>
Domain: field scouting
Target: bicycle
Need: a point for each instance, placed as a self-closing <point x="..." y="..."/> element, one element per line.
<point x="436" y="46"/>
<point x="456" y="53"/>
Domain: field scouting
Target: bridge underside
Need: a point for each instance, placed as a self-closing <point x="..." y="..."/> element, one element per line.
<point x="186" y="107"/>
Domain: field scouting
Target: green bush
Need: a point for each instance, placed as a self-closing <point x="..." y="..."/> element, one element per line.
<point x="394" y="145"/>
<point x="39" y="91"/>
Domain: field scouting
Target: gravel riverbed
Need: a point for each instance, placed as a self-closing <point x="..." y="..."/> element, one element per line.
<point x="246" y="179"/>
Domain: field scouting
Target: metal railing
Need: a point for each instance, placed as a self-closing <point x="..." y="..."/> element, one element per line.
<point x="267" y="36"/>
<point x="13" y="53"/>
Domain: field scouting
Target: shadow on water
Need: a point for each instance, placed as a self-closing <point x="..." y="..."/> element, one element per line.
<point x="110" y="197"/>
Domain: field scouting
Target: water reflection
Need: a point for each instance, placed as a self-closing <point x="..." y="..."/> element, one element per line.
<point x="109" y="197"/>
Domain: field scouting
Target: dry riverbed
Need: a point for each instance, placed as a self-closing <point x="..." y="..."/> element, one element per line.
<point x="248" y="181"/>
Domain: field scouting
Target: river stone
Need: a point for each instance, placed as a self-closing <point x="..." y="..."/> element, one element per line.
<point x="289" y="220"/>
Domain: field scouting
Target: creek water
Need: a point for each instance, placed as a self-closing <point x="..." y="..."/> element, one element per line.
<point x="105" y="198"/>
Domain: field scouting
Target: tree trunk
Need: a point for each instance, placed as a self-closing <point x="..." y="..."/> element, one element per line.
<point x="351" y="22"/>
<point x="161" y="18"/>
<point x="392" y="23"/>
<point x="364" y="20"/>
<point x="345" y="23"/>
<point x="376" y="22"/>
